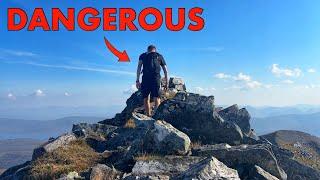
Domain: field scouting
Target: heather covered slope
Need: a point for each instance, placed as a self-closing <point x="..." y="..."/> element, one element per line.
<point x="305" y="147"/>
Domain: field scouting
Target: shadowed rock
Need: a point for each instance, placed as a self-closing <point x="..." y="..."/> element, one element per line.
<point x="194" y="115"/>
<point x="236" y="156"/>
<point x="53" y="144"/>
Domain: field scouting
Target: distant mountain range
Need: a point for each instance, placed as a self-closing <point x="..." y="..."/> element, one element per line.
<point x="16" y="151"/>
<point x="35" y="129"/>
<point x="309" y="123"/>
<point x="56" y="112"/>
<point x="269" y="111"/>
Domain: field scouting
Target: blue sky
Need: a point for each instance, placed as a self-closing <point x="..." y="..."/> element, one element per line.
<point x="250" y="52"/>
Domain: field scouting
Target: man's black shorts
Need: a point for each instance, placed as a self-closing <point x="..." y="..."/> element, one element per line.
<point x="151" y="87"/>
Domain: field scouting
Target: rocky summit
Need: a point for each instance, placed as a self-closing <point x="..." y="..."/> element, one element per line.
<point x="187" y="138"/>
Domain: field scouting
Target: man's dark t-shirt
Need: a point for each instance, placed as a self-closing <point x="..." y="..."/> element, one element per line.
<point x="152" y="63"/>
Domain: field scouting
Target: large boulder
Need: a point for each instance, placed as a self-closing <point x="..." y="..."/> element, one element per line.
<point x="177" y="83"/>
<point x="94" y="134"/>
<point x="237" y="156"/>
<point x="89" y="130"/>
<point x="152" y="136"/>
<point x="194" y="115"/>
<point x="147" y="136"/>
<point x="162" y="138"/>
<point x="53" y="144"/>
<point x="168" y="165"/>
<point x="209" y="169"/>
<point x="103" y="172"/>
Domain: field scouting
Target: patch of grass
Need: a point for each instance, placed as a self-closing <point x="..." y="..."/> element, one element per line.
<point x="147" y="157"/>
<point x="130" y="124"/>
<point x="77" y="156"/>
<point x="194" y="145"/>
<point x="304" y="155"/>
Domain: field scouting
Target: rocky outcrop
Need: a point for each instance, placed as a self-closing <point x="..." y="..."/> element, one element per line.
<point x="53" y="144"/>
<point x="239" y="116"/>
<point x="194" y="115"/>
<point x="135" y="102"/>
<point x="237" y="156"/>
<point x="209" y="169"/>
<point x="187" y="138"/>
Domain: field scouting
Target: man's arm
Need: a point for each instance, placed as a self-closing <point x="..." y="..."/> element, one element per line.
<point x="165" y="71"/>
<point x="138" y="74"/>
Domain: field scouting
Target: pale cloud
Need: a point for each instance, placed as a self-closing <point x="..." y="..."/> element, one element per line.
<point x="233" y="87"/>
<point x="204" y="90"/>
<point x="312" y="86"/>
<point x="214" y="48"/>
<point x="77" y="68"/>
<point x="39" y="93"/>
<point x="244" y="81"/>
<point x="17" y="52"/>
<point x="11" y="96"/>
<point x="286" y="72"/>
<point x="67" y="94"/>
<point x="222" y="76"/>
<point x="288" y="81"/>
<point x="198" y="89"/>
<point x="130" y="90"/>
<point x="242" y="77"/>
<point x="311" y="70"/>
<point x="253" y="84"/>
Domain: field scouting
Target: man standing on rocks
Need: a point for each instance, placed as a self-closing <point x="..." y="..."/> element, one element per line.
<point x="151" y="63"/>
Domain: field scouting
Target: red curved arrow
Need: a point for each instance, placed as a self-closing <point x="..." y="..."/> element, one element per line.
<point x="123" y="56"/>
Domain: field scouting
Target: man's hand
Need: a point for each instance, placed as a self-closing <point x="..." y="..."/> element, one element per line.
<point x="166" y="85"/>
<point x="138" y="84"/>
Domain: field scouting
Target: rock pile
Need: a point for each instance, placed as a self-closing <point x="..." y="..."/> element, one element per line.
<point x="187" y="138"/>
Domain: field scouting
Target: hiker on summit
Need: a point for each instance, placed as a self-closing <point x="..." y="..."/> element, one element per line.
<point x="151" y="63"/>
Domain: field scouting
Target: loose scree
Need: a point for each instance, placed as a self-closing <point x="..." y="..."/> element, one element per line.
<point x="108" y="19"/>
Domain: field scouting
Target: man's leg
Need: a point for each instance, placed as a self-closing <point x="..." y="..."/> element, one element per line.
<point x="157" y="102"/>
<point x="147" y="105"/>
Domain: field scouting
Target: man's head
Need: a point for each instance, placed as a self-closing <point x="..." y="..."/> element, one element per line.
<point x="152" y="48"/>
